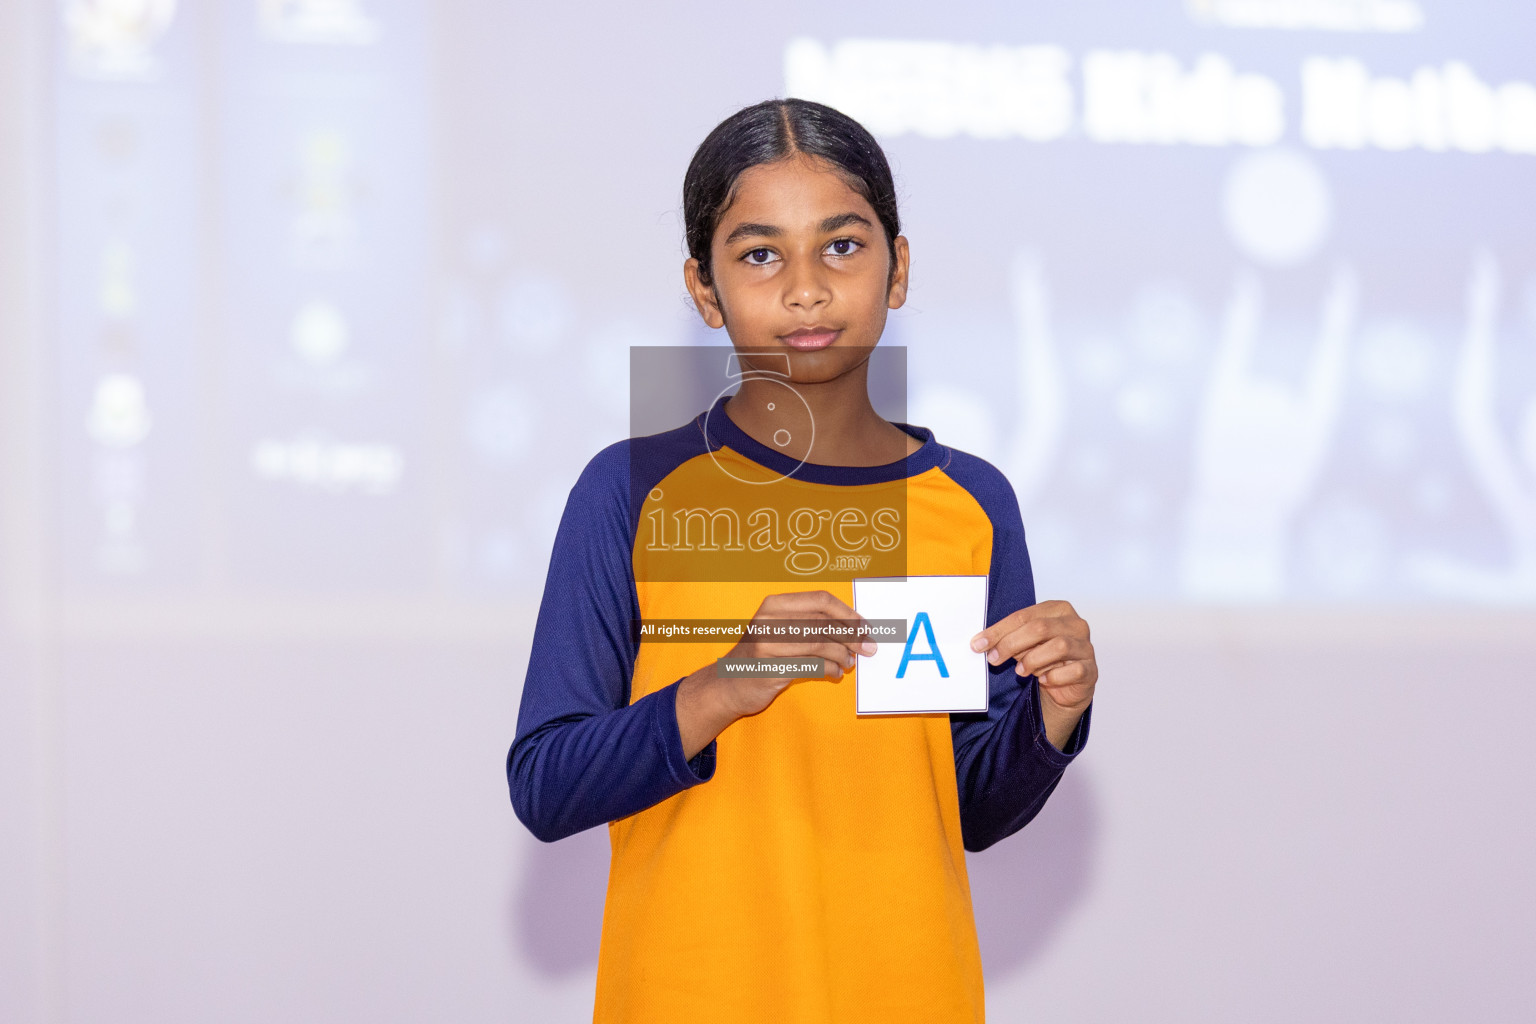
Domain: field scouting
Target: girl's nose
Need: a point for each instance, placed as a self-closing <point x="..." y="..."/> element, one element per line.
<point x="806" y="287"/>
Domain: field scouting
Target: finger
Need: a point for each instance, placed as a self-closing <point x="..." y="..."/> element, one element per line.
<point x="823" y="605"/>
<point x="1080" y="651"/>
<point x="851" y="638"/>
<point x="859" y="643"/>
<point x="1032" y="613"/>
<point x="988" y="637"/>
<point x="844" y="647"/>
<point x="836" y="665"/>
<point x="829" y="650"/>
<point x="835" y="609"/>
<point x="1032" y="631"/>
<point x="1032" y="653"/>
<point x="1063" y="673"/>
<point x="810" y="601"/>
<point x="832" y="650"/>
<point x="1032" y="634"/>
<point x="1049" y="652"/>
<point x="1068" y="686"/>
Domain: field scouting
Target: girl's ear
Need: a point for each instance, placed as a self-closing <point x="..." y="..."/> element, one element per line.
<point x="705" y="299"/>
<point x="896" y="294"/>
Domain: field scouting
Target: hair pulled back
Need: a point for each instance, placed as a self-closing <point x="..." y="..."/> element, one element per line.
<point x="769" y="131"/>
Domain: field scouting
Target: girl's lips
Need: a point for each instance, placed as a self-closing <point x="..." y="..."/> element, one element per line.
<point x="809" y="342"/>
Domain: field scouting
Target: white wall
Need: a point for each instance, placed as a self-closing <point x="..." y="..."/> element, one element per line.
<point x="1280" y="817"/>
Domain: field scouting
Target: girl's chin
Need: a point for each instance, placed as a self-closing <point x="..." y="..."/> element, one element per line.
<point x="825" y="365"/>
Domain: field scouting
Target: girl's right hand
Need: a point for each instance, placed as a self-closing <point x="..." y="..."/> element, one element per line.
<point x="749" y="695"/>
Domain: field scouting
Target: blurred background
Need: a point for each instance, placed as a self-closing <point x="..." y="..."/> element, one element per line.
<point x="311" y="311"/>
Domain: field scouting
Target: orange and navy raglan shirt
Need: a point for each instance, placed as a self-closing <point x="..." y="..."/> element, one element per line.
<point x="808" y="865"/>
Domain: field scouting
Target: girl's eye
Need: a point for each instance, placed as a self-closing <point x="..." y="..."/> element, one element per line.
<point x="759" y="257"/>
<point x="843" y="247"/>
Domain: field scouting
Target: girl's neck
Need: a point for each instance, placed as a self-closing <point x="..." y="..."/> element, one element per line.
<point x="831" y="423"/>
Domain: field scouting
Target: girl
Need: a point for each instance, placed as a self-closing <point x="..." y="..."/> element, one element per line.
<point x="776" y="857"/>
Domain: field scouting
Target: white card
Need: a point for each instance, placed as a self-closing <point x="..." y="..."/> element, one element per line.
<point x="933" y="667"/>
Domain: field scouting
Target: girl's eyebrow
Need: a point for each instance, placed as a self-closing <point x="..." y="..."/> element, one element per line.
<point x="749" y="230"/>
<point x="832" y="223"/>
<point x="843" y="219"/>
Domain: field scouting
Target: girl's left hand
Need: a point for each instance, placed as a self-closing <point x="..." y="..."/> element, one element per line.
<point x="1049" y="641"/>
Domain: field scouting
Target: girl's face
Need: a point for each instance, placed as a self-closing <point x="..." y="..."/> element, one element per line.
<point x="801" y="266"/>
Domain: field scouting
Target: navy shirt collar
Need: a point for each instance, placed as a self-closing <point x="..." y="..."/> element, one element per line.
<point x="721" y="432"/>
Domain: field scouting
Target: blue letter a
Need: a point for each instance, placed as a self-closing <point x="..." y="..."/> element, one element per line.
<point x="907" y="655"/>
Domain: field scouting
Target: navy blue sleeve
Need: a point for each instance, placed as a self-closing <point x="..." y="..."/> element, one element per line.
<point x="1005" y="765"/>
<point x="583" y="755"/>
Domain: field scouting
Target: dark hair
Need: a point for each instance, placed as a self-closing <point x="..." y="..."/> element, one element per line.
<point x="769" y="131"/>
